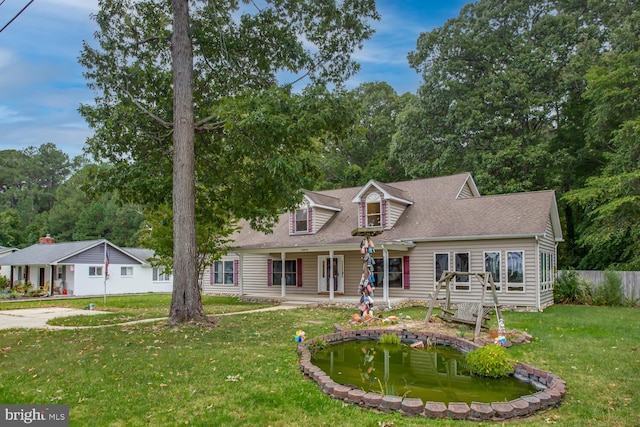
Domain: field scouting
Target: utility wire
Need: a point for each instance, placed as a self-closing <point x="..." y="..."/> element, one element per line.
<point x="16" y="17"/>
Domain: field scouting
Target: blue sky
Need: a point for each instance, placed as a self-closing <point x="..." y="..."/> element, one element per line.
<point x="42" y="86"/>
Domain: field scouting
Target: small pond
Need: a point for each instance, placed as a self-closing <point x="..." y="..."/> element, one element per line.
<point x="438" y="373"/>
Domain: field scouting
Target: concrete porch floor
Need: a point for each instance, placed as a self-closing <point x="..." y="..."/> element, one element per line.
<point x="339" y="300"/>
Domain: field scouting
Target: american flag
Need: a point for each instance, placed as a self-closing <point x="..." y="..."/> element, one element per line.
<point x="106" y="260"/>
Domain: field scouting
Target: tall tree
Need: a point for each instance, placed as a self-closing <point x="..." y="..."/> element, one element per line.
<point x="242" y="143"/>
<point x="364" y="154"/>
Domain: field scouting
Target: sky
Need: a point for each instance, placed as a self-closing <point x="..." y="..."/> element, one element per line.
<point x="41" y="82"/>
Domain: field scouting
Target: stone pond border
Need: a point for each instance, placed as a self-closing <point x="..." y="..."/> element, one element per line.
<point x="551" y="388"/>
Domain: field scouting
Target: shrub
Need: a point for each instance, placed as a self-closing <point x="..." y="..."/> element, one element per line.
<point x="4" y="283"/>
<point x="490" y="361"/>
<point x="571" y="288"/>
<point x="610" y="292"/>
<point x="391" y="339"/>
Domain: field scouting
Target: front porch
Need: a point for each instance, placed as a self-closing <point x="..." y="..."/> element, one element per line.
<point x="341" y="301"/>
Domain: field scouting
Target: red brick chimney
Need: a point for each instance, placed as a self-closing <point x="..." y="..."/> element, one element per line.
<point x="47" y="240"/>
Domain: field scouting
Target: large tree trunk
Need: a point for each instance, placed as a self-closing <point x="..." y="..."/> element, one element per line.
<point x="186" y="304"/>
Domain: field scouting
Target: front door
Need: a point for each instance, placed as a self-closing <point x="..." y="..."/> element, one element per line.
<point x="325" y="264"/>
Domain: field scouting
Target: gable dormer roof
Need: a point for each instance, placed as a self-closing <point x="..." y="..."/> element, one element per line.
<point x="389" y="192"/>
<point x="322" y="201"/>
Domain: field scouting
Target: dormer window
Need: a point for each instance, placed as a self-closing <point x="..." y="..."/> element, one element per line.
<point x="374" y="210"/>
<point x="302" y="220"/>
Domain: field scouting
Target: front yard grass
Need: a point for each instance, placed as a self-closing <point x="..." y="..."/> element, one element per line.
<point x="245" y="371"/>
<point x="128" y="308"/>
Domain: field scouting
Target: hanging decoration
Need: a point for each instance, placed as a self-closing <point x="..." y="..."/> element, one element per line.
<point x="368" y="279"/>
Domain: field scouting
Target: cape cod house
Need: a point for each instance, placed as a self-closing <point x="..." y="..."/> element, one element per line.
<point x="420" y="229"/>
<point x="80" y="268"/>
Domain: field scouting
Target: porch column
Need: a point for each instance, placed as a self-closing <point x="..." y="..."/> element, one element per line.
<point x="51" y="280"/>
<point x="385" y="285"/>
<point x="240" y="275"/>
<point x="283" y="280"/>
<point x="331" y="280"/>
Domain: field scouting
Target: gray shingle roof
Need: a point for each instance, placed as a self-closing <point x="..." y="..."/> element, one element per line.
<point x="4" y="249"/>
<point x="47" y="254"/>
<point x="140" y="253"/>
<point x="436" y="214"/>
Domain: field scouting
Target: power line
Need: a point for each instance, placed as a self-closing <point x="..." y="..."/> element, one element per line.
<point x="16" y="17"/>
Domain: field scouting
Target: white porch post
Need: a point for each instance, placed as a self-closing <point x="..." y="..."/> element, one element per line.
<point x="240" y="274"/>
<point x="331" y="279"/>
<point x="283" y="280"/>
<point x="385" y="285"/>
<point x="50" y="280"/>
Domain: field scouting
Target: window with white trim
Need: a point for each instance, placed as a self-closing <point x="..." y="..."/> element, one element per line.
<point x="441" y="261"/>
<point x="492" y="265"/>
<point x="223" y="272"/>
<point x="290" y="273"/>
<point x="515" y="271"/>
<point x="95" y="270"/>
<point x="461" y="261"/>
<point x="301" y="220"/>
<point x="126" y="271"/>
<point x="374" y="210"/>
<point x="160" y="276"/>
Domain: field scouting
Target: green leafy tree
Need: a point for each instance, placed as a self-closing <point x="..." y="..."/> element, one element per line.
<point x="190" y="113"/>
<point x="28" y="182"/>
<point x="610" y="235"/>
<point x="364" y="153"/>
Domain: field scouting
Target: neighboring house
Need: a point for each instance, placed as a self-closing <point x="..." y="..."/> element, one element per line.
<point x="5" y="271"/>
<point x="79" y="268"/>
<point x="420" y="228"/>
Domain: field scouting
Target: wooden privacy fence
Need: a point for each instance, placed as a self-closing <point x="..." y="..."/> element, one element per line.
<point x="630" y="280"/>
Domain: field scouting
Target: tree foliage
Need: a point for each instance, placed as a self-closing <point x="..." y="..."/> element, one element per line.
<point x="255" y="141"/>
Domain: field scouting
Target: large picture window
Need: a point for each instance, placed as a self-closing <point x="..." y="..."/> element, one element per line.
<point x="492" y="265"/>
<point x="223" y="273"/>
<point x="290" y="272"/>
<point x="515" y="271"/>
<point x="395" y="272"/>
<point x="461" y="260"/>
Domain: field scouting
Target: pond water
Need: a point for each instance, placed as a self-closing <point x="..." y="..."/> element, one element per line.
<point x="438" y="373"/>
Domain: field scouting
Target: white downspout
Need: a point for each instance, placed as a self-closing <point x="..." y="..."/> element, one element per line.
<point x="331" y="279"/>
<point x="385" y="285"/>
<point x="240" y="275"/>
<point x="538" y="284"/>
<point x="283" y="280"/>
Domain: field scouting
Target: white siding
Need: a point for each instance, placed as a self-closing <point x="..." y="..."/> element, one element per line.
<point x="141" y="281"/>
<point x="320" y="217"/>
<point x="422" y="271"/>
<point x="394" y="211"/>
<point x="547" y="245"/>
<point x="208" y="287"/>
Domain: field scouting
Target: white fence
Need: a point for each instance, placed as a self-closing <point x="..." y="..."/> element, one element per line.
<point x="630" y="280"/>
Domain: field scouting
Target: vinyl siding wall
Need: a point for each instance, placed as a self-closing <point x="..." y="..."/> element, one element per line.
<point x="423" y="270"/>
<point x="320" y="218"/>
<point x="394" y="211"/>
<point x="547" y="245"/>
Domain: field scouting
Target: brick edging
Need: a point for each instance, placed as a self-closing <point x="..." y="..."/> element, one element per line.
<point x="552" y="388"/>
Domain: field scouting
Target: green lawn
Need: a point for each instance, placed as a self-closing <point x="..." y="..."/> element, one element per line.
<point x="127" y="308"/>
<point x="245" y="372"/>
